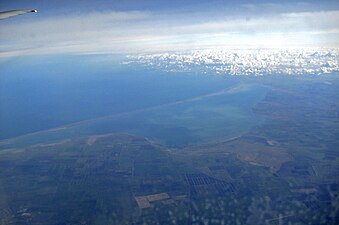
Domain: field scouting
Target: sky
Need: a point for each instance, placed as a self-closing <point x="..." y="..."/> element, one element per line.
<point x="141" y="26"/>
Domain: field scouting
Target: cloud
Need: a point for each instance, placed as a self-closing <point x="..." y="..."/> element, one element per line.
<point x="244" y="61"/>
<point x="68" y="26"/>
<point x="139" y="31"/>
<point x="287" y="22"/>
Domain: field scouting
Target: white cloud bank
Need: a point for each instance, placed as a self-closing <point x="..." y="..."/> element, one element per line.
<point x="257" y="62"/>
<point x="138" y="32"/>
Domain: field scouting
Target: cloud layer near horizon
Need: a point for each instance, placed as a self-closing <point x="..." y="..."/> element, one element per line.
<point x="115" y="32"/>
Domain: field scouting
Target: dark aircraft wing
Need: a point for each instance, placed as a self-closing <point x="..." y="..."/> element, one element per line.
<point x="6" y="14"/>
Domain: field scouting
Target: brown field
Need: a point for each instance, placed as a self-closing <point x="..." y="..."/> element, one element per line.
<point x="157" y="197"/>
<point x="254" y="150"/>
<point x="142" y="202"/>
<point x="269" y="157"/>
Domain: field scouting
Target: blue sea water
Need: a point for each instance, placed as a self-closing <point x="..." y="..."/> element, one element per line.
<point x="39" y="93"/>
<point x="87" y="95"/>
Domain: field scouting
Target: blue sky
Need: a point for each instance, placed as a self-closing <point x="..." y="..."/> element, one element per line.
<point x="135" y="26"/>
